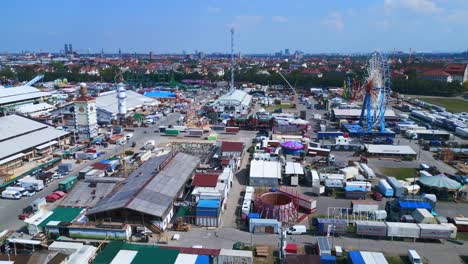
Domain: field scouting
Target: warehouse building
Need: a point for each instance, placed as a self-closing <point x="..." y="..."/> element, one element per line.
<point x="395" y="151"/>
<point x="148" y="194"/>
<point x="12" y="97"/>
<point x="107" y="104"/>
<point x="235" y="102"/>
<point x="22" y="139"/>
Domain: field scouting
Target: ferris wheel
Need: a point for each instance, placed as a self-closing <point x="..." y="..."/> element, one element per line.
<point x="377" y="92"/>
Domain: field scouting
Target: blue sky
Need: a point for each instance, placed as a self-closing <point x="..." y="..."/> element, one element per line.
<point x="263" y="26"/>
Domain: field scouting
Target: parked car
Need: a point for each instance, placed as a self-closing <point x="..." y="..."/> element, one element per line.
<point x="52" y="197"/>
<point x="30" y="193"/>
<point x="24" y="215"/>
<point x="59" y="193"/>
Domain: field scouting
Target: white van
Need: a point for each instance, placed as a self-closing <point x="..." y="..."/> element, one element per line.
<point x="11" y="195"/>
<point x="414" y="257"/>
<point x="296" y="230"/>
<point x="21" y="190"/>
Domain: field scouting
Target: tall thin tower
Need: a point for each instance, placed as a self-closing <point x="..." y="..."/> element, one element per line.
<point x="232" y="59"/>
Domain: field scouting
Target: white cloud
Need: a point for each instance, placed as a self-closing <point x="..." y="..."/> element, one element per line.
<point x="244" y="20"/>
<point x="280" y="19"/>
<point x="419" y="6"/>
<point x="213" y="9"/>
<point x="334" y="20"/>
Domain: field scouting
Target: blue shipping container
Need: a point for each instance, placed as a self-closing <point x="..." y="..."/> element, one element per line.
<point x="325" y="259"/>
<point x="354" y="257"/>
<point x="385" y="188"/>
<point x="323" y="223"/>
<point x="208" y="204"/>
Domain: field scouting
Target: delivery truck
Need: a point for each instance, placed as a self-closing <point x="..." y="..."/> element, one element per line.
<point x="31" y="184"/>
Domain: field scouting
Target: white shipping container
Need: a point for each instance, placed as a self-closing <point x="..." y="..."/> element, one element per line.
<point x="229" y="256"/>
<point x="333" y="183"/>
<point x="368" y="172"/>
<point x="360" y="184"/>
<point x="364" y="206"/>
<point x="208" y="221"/>
<point x="453" y="228"/>
<point x="435" y="231"/>
<point x="410" y="230"/>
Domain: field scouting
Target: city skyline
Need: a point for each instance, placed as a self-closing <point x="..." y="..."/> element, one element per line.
<point x="264" y="27"/>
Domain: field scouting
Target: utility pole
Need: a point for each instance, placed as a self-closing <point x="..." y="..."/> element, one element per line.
<point x="232" y="59"/>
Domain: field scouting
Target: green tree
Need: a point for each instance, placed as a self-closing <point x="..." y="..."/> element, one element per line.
<point x="465" y="86"/>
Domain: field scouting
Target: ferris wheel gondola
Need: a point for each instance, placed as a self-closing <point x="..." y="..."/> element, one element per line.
<point x="377" y="92"/>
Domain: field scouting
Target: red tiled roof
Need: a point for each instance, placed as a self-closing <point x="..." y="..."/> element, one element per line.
<point x="435" y="72"/>
<point x="232" y="146"/>
<point x="205" y="179"/>
<point x="455" y="68"/>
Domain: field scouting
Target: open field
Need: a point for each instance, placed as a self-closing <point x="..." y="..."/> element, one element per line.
<point x="454" y="105"/>
<point x="400" y="173"/>
<point x="273" y="107"/>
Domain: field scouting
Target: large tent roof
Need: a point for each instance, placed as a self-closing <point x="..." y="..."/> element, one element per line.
<point x="292" y="145"/>
<point x="440" y="181"/>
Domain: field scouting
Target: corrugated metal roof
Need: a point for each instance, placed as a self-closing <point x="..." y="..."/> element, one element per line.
<point x="20" y="93"/>
<point x="108" y="101"/>
<point x="20" y="134"/>
<point x="294" y="168"/>
<point x="149" y="191"/>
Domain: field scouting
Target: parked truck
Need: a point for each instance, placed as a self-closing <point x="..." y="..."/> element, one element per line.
<point x="31" y="184"/>
<point x="398" y="189"/>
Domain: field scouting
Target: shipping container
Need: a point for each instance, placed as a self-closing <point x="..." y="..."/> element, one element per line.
<point x="208" y="221"/>
<point x="323" y="246"/>
<point x="368" y="172"/>
<point x="172" y="132"/>
<point x="65" y="167"/>
<point x="361" y="185"/>
<point x="360" y="206"/>
<point x="453" y="228"/>
<point x="231" y="130"/>
<point x="67" y="184"/>
<point x="339" y="226"/>
<point x="371" y="228"/>
<point x="409" y="230"/>
<point x="334" y="183"/>
<point x="398" y="189"/>
<point x="195" y="133"/>
<point x="435" y="231"/>
<point x="229" y="256"/>
<point x="385" y="188"/>
<point x="82" y="173"/>
<point x="422" y="215"/>
<point x="332" y="176"/>
<point x="329" y="135"/>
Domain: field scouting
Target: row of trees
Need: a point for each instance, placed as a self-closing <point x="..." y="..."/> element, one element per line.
<point x="413" y="85"/>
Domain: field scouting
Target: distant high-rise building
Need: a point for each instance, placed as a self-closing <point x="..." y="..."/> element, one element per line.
<point x="120" y="53"/>
<point x="66" y="49"/>
<point x="151" y="55"/>
<point x="286" y="52"/>
<point x="102" y="53"/>
<point x="70" y="49"/>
